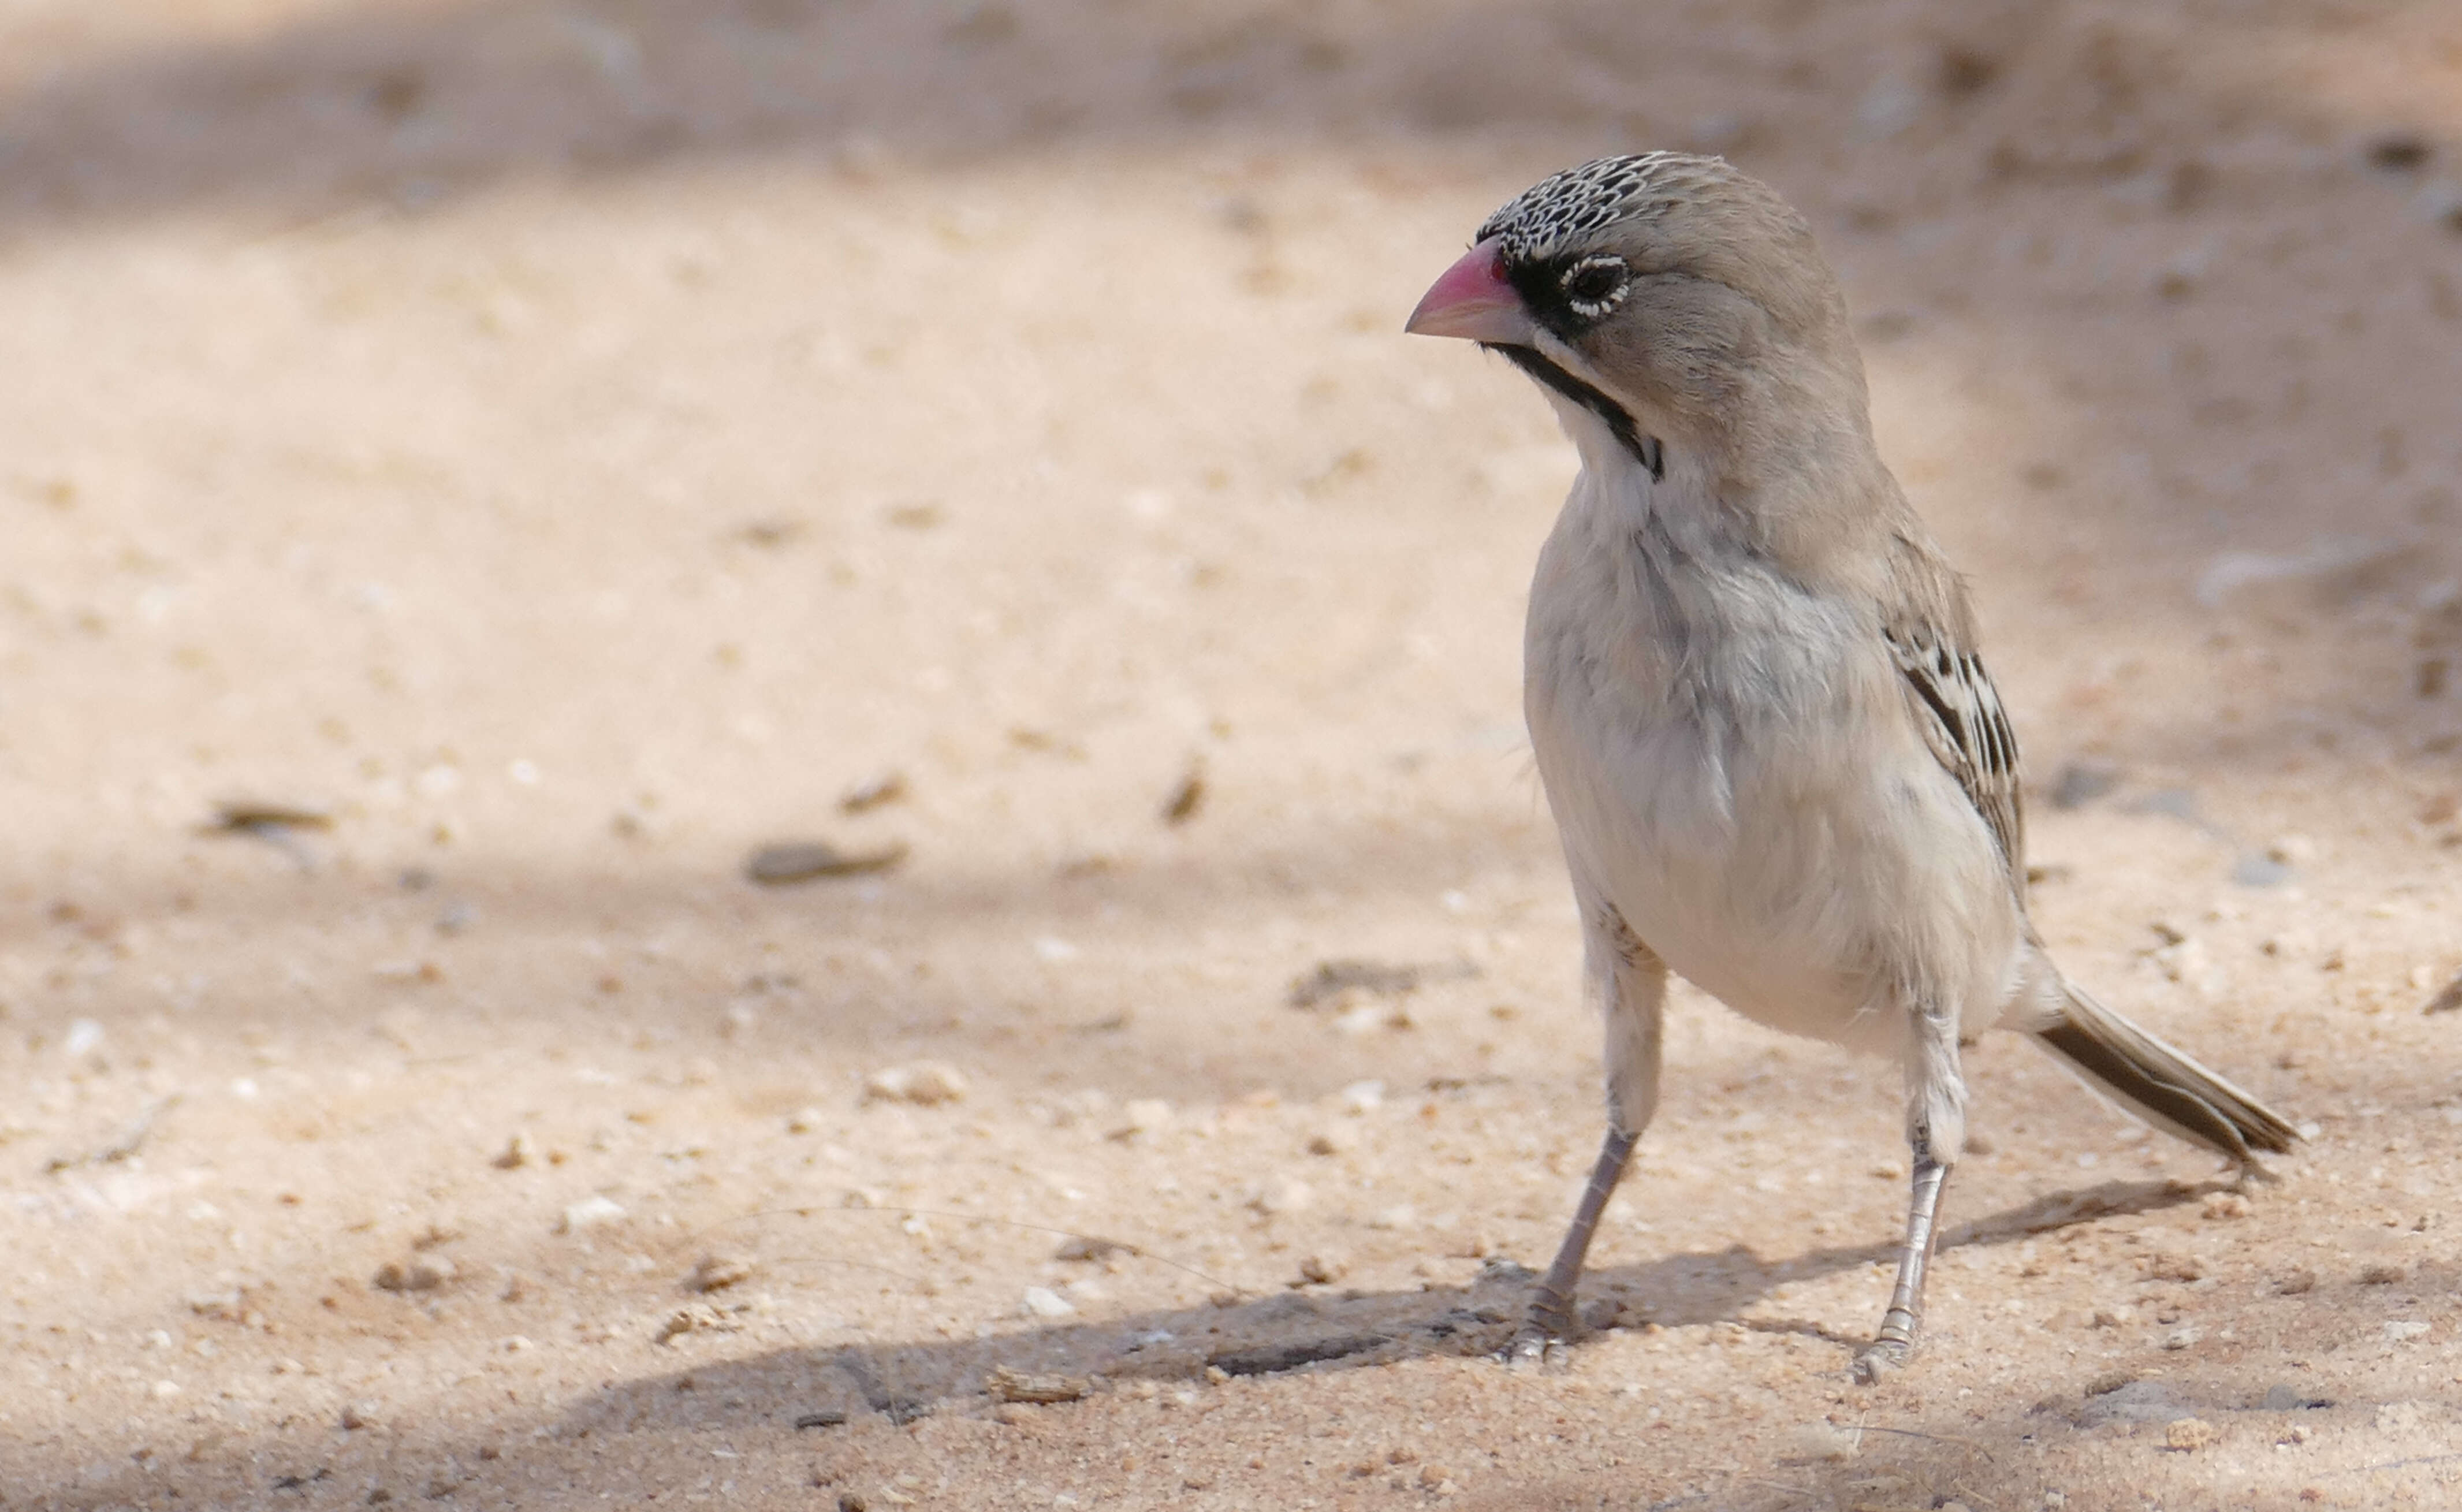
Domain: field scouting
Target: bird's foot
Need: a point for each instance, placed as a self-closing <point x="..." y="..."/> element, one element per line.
<point x="1880" y="1359"/>
<point x="1545" y="1335"/>
<point x="1533" y="1348"/>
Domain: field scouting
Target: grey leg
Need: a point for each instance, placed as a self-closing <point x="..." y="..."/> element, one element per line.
<point x="1632" y="985"/>
<point x="1896" y="1340"/>
<point x="1551" y="1319"/>
<point x="1936" y="1135"/>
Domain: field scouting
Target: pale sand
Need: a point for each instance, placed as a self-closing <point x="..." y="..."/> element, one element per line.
<point x="579" y="444"/>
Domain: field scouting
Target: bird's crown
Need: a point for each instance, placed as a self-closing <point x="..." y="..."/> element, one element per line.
<point x="1559" y="209"/>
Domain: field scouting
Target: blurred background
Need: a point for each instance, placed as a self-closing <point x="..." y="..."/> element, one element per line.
<point x="473" y="475"/>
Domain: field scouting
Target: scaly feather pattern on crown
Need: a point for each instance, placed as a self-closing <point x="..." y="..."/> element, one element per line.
<point x="1542" y="220"/>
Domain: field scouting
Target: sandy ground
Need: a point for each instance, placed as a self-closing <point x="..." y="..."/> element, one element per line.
<point x="570" y="447"/>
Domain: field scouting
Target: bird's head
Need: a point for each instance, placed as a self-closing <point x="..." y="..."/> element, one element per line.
<point x="1670" y="290"/>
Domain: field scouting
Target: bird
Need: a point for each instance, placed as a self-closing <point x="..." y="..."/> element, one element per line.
<point x="1754" y="691"/>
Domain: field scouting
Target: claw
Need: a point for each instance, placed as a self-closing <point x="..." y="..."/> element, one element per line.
<point x="1532" y="1348"/>
<point x="1880" y="1359"/>
<point x="1545" y="1333"/>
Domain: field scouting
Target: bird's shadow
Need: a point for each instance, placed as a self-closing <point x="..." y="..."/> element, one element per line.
<point x="826" y="1386"/>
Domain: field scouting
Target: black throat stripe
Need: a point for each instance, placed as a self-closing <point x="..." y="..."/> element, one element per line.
<point x="1644" y="449"/>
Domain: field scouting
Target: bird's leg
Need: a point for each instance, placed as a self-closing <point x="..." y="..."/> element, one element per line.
<point x="1890" y="1348"/>
<point x="1550" y="1318"/>
<point x="1935" y="1135"/>
<point x="1634" y="986"/>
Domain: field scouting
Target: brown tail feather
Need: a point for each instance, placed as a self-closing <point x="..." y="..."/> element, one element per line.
<point x="2162" y="1084"/>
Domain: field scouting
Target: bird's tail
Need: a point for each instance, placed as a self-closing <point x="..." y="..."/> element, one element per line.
<point x="2160" y="1084"/>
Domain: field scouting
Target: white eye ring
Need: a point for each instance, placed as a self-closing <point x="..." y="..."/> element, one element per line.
<point x="1593" y="308"/>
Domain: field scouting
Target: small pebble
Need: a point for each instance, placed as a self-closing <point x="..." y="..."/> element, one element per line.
<point x="1010" y="1385"/>
<point x="2171" y="1266"/>
<point x="1187" y="797"/>
<point x="2399" y="152"/>
<point x="590" y="1212"/>
<point x="925" y="1083"/>
<point x="887" y="788"/>
<point x="790" y="862"/>
<point x="717" y="1272"/>
<point x="2402" y="1331"/>
<point x="699" y="1318"/>
<point x="357" y="1415"/>
<point x="2187" y="1435"/>
<point x="271" y="813"/>
<point x="1320" y="1270"/>
<point x="413" y="1275"/>
<point x="1282" y="1194"/>
<point x="1042" y="1302"/>
<point x="515" y="1154"/>
<point x="1144" y="1115"/>
<point x="1337" y="1140"/>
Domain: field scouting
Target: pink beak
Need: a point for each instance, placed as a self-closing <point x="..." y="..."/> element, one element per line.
<point x="1473" y="301"/>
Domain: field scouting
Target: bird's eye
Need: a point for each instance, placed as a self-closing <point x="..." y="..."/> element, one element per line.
<point x="1595" y="285"/>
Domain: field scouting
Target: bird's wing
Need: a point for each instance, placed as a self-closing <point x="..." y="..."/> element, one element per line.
<point x="1958" y="710"/>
